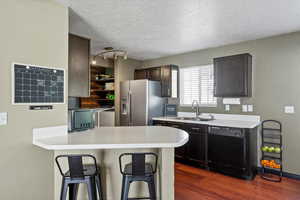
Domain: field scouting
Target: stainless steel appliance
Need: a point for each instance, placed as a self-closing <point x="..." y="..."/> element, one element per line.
<point x="140" y="101"/>
<point x="81" y="119"/>
<point x="106" y="118"/>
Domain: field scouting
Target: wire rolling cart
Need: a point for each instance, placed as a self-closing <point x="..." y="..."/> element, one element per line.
<point x="271" y="148"/>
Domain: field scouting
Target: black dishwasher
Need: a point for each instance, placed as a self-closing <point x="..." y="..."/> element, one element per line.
<point x="228" y="151"/>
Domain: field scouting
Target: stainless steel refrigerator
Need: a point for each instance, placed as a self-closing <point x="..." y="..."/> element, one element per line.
<point x="140" y="101"/>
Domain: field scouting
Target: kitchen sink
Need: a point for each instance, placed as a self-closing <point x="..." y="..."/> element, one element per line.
<point x="185" y="118"/>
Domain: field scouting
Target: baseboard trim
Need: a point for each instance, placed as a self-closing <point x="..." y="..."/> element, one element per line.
<point x="284" y="174"/>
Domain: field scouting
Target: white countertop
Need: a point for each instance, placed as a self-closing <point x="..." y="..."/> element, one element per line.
<point x="225" y="120"/>
<point x="56" y="138"/>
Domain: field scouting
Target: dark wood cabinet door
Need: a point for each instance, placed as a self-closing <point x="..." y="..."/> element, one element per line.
<point x="170" y="81"/>
<point x="159" y="123"/>
<point x="79" y="66"/>
<point x="196" y="145"/>
<point x="233" y="76"/>
<point x="154" y="74"/>
<point x="195" y="150"/>
<point x="166" y="81"/>
<point x="180" y="152"/>
<point x="140" y="74"/>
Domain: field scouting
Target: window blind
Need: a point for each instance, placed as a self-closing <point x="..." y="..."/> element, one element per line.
<point x="196" y="83"/>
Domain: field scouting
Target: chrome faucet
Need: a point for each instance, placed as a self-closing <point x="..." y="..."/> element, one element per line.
<point x="196" y="107"/>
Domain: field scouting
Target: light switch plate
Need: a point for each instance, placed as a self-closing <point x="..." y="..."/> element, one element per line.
<point x="250" y="108"/>
<point x="245" y="108"/>
<point x="289" y="109"/>
<point x="227" y="107"/>
<point x="3" y="118"/>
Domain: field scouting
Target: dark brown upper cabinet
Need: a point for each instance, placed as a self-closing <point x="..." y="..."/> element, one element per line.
<point x="170" y="81"/>
<point x="154" y="74"/>
<point x="140" y="74"/>
<point x="168" y="75"/>
<point x="233" y="76"/>
<point x="79" y="66"/>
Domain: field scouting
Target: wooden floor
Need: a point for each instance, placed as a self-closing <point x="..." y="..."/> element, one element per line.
<point x="197" y="184"/>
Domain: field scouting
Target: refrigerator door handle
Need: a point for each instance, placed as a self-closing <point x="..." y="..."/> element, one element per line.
<point x="99" y="122"/>
<point x="129" y="108"/>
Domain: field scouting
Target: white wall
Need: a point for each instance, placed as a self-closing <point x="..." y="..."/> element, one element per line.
<point x="34" y="32"/>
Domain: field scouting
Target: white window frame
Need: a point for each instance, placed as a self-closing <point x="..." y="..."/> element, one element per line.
<point x="181" y="88"/>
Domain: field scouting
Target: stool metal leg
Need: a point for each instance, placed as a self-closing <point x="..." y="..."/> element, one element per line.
<point x="125" y="187"/>
<point x="76" y="186"/>
<point x="151" y="186"/>
<point x="99" y="187"/>
<point x="73" y="190"/>
<point x="91" y="184"/>
<point x="64" y="190"/>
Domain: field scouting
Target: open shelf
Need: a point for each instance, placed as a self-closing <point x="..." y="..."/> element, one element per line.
<point x="267" y="157"/>
<point x="100" y="91"/>
<point x="105" y="99"/>
<point x="271" y="176"/>
<point x="273" y="130"/>
<point x="104" y="80"/>
<point x="271" y="143"/>
<point x="271" y="134"/>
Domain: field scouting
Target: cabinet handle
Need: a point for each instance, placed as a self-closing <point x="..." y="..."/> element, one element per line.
<point x="196" y="129"/>
<point x="175" y="126"/>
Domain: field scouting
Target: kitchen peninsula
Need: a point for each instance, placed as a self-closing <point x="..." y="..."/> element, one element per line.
<point x="107" y="143"/>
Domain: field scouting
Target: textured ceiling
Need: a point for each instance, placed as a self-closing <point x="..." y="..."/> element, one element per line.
<point x="155" y="28"/>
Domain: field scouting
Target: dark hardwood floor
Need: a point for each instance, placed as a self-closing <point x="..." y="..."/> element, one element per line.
<point x="197" y="184"/>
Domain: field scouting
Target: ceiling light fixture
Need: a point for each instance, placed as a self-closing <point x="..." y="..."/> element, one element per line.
<point x="110" y="52"/>
<point x="94" y="62"/>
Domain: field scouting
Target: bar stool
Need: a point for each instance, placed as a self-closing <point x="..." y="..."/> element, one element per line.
<point x="138" y="170"/>
<point x="79" y="173"/>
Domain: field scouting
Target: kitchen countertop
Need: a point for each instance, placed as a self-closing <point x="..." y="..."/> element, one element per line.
<point x="57" y="138"/>
<point x="244" y="122"/>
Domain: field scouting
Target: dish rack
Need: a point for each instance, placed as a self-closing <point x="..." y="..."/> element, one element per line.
<point x="271" y="148"/>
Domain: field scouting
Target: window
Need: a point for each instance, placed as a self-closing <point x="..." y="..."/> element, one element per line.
<point x="174" y="84"/>
<point x="196" y="83"/>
